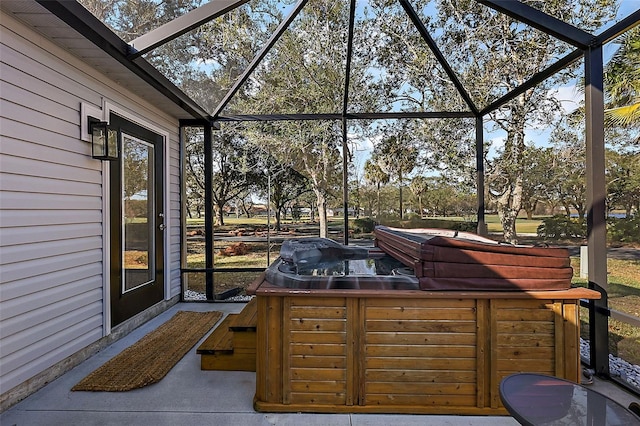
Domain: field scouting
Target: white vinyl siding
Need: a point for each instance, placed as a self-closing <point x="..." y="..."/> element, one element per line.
<point x="51" y="242"/>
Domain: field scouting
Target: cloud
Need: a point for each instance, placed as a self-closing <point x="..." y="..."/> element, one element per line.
<point x="569" y="96"/>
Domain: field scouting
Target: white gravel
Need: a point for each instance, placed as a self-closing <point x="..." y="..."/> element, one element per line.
<point x="618" y="367"/>
<point x="190" y="296"/>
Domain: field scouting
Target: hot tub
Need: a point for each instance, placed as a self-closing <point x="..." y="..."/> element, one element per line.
<point x="332" y="337"/>
<point x="318" y="263"/>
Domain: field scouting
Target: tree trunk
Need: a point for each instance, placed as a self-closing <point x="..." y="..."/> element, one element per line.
<point x="378" y="206"/>
<point x="322" y="214"/>
<point x="278" y="215"/>
<point x="219" y="214"/>
<point x="509" y="205"/>
<point x="400" y="185"/>
<point x="508" y="208"/>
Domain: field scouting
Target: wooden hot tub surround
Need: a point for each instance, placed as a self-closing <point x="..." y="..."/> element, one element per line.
<point x="408" y="351"/>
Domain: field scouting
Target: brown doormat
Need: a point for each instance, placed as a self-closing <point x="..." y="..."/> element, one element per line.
<point x="150" y="359"/>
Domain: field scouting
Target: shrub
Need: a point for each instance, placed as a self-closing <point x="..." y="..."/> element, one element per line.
<point x="624" y="230"/>
<point x="363" y="225"/>
<point x="558" y="227"/>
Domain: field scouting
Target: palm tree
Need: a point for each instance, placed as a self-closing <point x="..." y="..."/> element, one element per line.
<point x="622" y="81"/>
<point x="374" y="174"/>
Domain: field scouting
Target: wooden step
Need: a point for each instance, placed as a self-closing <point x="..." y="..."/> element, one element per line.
<point x="247" y="319"/>
<point x="232" y="345"/>
<point x="220" y="340"/>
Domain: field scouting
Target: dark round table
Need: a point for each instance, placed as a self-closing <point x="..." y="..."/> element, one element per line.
<point x="537" y="399"/>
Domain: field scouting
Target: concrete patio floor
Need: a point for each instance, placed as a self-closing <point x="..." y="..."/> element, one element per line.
<point x="190" y="396"/>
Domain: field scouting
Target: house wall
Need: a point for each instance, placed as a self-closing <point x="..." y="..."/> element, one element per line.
<point x="51" y="203"/>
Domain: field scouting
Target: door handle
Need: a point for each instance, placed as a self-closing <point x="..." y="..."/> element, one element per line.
<point x="161" y="227"/>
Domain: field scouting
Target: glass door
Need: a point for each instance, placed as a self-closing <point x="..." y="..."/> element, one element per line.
<point x="137" y="222"/>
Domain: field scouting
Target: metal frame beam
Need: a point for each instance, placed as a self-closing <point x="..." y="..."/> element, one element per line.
<point x="542" y="21"/>
<point x="182" y="25"/>
<point x="208" y="211"/>
<point x="417" y="22"/>
<point x="536" y="79"/>
<point x="353" y="116"/>
<point x="619" y="28"/>
<point x="345" y="103"/>
<point x="259" y="57"/>
<point x="482" y="225"/>
<point x="596" y="209"/>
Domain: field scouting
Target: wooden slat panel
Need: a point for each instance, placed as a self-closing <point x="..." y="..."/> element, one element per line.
<point x="525" y="314"/>
<point x="530" y="365"/>
<point x="421" y="363"/>
<point x="435" y="351"/>
<point x="262" y="354"/>
<point x="316" y="302"/>
<point x="316" y="386"/>
<point x="441" y="326"/>
<point x="286" y="356"/>
<point x="274" y="344"/>
<point x="521" y="304"/>
<point x="559" y="340"/>
<point x="433" y="376"/>
<point x="422" y="400"/>
<point x="518" y="353"/>
<point x="494" y="375"/>
<point x="571" y="341"/>
<point x="314" y="324"/>
<point x="412" y="388"/>
<point x="525" y="340"/>
<point x="316" y="337"/>
<point x="421" y="338"/>
<point x="308" y="361"/>
<point x="317" y="349"/>
<point x="422" y="303"/>
<point x="354" y="350"/>
<point x="526" y="327"/>
<point x="327" y="312"/>
<point x="318" y="398"/>
<point x="318" y="374"/>
<point x="483" y="363"/>
<point x="404" y="313"/>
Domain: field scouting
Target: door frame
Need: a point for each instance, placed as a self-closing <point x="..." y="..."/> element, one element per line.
<point x="164" y="173"/>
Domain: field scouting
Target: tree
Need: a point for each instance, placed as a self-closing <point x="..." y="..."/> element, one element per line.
<point x="622" y="82"/>
<point x="623" y="181"/>
<point x="236" y="167"/>
<point x="305" y="73"/>
<point x="419" y="186"/>
<point x="499" y="55"/>
<point x="539" y="170"/>
<point x="396" y="156"/>
<point x="374" y="174"/>
<point x="286" y="186"/>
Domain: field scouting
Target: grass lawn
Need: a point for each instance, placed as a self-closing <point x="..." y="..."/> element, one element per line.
<point x="624" y="296"/>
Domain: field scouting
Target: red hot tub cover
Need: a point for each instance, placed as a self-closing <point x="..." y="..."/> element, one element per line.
<point x="451" y="260"/>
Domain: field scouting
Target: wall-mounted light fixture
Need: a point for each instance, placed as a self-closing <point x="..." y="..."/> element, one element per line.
<point x="104" y="141"/>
